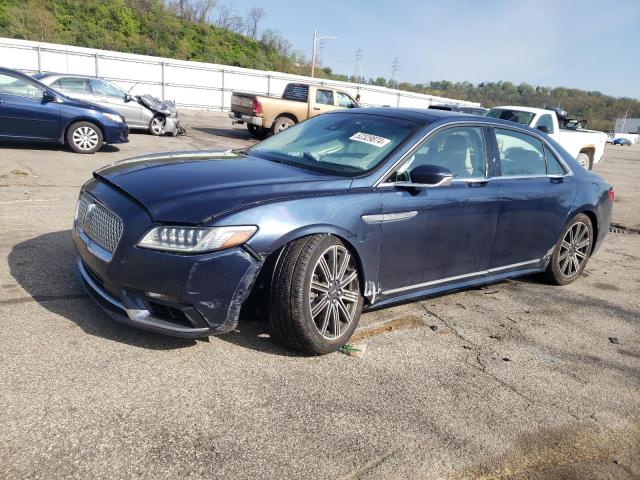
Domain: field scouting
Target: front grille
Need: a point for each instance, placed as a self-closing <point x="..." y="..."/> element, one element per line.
<point x="99" y="223"/>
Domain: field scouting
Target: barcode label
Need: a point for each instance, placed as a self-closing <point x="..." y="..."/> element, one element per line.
<point x="370" y="139"/>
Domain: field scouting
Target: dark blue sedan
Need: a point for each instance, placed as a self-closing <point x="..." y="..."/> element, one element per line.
<point x="33" y="112"/>
<point x="346" y="211"/>
<point x="622" y="141"/>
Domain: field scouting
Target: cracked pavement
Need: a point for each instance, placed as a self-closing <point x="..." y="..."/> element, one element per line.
<point x="516" y="379"/>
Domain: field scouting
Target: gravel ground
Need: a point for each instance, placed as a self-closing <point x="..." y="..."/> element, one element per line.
<point x="514" y="380"/>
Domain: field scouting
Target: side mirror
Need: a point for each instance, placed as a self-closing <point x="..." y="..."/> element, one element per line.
<point x="426" y="176"/>
<point x="543" y="128"/>
<point x="128" y="98"/>
<point x="47" y="97"/>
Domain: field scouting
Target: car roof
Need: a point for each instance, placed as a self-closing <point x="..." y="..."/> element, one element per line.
<point x="416" y="114"/>
<point x="524" y="109"/>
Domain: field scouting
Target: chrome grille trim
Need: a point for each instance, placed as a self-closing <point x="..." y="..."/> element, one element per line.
<point x="98" y="223"/>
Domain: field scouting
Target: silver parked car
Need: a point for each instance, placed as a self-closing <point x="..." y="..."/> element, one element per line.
<point x="140" y="111"/>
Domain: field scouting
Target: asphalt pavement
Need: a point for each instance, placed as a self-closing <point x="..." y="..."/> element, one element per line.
<point x="518" y="379"/>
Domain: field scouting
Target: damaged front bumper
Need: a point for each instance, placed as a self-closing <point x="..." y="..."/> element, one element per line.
<point x="187" y="296"/>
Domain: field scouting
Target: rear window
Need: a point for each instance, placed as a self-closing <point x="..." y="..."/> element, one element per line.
<point x="297" y="92"/>
<point x="517" y="116"/>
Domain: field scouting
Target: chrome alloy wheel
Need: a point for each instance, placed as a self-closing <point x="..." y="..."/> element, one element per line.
<point x="574" y="249"/>
<point x="334" y="292"/>
<point x="158" y="124"/>
<point x="85" y="138"/>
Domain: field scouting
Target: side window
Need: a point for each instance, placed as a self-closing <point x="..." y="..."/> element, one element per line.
<point x="460" y="150"/>
<point x="553" y="165"/>
<point x="520" y="154"/>
<point x="546" y="121"/>
<point x="71" y="84"/>
<point x="18" y="86"/>
<point x="105" y="89"/>
<point x="344" y="100"/>
<point x="324" y="97"/>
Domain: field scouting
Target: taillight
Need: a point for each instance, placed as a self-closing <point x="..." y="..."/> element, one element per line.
<point x="256" y="106"/>
<point x="611" y="195"/>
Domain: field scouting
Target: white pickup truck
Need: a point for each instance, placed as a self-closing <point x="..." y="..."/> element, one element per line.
<point x="586" y="146"/>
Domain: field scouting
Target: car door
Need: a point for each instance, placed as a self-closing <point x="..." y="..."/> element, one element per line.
<point x="111" y="96"/>
<point x="434" y="235"/>
<point x="24" y="112"/>
<point x="536" y="193"/>
<point x="344" y="101"/>
<point x="322" y="101"/>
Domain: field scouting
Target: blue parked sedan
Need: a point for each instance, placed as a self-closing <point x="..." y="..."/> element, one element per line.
<point x="32" y="112"/>
<point x="622" y="141"/>
<point x="346" y="211"/>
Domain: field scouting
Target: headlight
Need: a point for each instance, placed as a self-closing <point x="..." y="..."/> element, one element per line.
<point x="114" y="118"/>
<point x="196" y="239"/>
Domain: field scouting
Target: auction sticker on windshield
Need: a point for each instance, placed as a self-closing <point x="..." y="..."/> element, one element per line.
<point x="370" y="139"/>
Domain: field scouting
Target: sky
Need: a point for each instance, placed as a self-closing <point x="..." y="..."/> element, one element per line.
<point x="586" y="44"/>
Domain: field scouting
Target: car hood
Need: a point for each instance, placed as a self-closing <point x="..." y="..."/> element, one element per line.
<point x="199" y="186"/>
<point x="166" y="107"/>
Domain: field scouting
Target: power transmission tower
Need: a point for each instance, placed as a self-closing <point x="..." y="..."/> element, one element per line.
<point x="321" y="47"/>
<point x="395" y="66"/>
<point x="358" y="71"/>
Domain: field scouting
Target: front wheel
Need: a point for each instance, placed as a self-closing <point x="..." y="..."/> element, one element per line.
<point x="315" y="300"/>
<point x="157" y="124"/>
<point x="572" y="251"/>
<point x="84" y="137"/>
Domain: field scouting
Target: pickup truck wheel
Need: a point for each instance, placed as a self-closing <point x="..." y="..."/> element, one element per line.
<point x="157" y="124"/>
<point x="572" y="251"/>
<point x="282" y="123"/>
<point x="84" y="137"/>
<point x="315" y="299"/>
<point x="257" y="132"/>
<point x="584" y="160"/>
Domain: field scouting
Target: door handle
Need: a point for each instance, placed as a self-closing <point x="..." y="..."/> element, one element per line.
<point x="316" y="108"/>
<point x="1" y="100"/>
<point x="477" y="183"/>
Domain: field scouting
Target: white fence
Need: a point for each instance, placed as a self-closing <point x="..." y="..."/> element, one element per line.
<point x="191" y="84"/>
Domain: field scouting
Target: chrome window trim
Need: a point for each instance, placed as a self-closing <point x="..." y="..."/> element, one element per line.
<point x="460" y="277"/>
<point x="380" y="182"/>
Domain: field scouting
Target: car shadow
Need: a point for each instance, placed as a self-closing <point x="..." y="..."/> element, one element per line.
<point x="236" y="133"/>
<point x="44" y="267"/>
<point x="50" y="146"/>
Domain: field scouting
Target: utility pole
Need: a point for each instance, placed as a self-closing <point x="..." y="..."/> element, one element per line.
<point x="395" y="66"/>
<point x="316" y="38"/>
<point x="358" y="64"/>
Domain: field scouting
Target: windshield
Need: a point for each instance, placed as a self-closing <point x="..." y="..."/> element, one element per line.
<point x="341" y="143"/>
<point x="517" y="116"/>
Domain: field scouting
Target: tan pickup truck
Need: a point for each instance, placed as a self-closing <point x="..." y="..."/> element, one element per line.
<point x="264" y="115"/>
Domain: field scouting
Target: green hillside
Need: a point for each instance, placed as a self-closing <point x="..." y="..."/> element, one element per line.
<point x="199" y="30"/>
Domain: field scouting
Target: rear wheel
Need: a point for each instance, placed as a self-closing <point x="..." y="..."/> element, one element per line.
<point x="584" y="160"/>
<point x="572" y="251"/>
<point x="84" y="137"/>
<point x="282" y="123"/>
<point x="315" y="300"/>
<point x="257" y="132"/>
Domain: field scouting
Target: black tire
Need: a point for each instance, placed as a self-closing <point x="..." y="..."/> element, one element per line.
<point x="584" y="160"/>
<point x="257" y="132"/>
<point x="558" y="271"/>
<point x="290" y="297"/>
<point x="84" y="137"/>
<point x="157" y="124"/>
<point x="282" y="123"/>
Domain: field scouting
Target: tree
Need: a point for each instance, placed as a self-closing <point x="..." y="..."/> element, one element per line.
<point x="254" y="16"/>
<point x="225" y="13"/>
